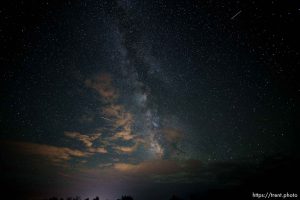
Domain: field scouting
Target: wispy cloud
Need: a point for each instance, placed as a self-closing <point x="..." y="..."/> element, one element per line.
<point x="127" y="149"/>
<point x="118" y="115"/>
<point x="103" y="85"/>
<point x="97" y="150"/>
<point x="156" y="170"/>
<point x="54" y="154"/>
<point x="125" y="135"/>
<point x="87" y="140"/>
<point x="172" y="135"/>
<point x="158" y="167"/>
<point x="121" y="120"/>
<point x="125" y="121"/>
<point x="113" y="111"/>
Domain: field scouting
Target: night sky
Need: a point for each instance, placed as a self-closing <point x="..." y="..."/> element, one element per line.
<point x="148" y="98"/>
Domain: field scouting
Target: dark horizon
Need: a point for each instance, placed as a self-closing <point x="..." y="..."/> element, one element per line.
<point x="196" y="99"/>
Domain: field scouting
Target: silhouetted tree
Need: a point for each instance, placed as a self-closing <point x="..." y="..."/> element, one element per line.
<point x="97" y="198"/>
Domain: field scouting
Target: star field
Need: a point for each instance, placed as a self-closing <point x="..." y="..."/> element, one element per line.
<point x="120" y="96"/>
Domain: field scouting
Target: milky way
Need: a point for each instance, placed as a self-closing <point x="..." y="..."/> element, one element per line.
<point x="149" y="98"/>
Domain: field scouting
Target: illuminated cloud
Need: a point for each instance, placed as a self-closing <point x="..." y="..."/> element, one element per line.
<point x="53" y="153"/>
<point x="125" y="120"/>
<point x="113" y="111"/>
<point x="158" y="167"/>
<point x="87" y="140"/>
<point x="125" y="135"/>
<point x="172" y="135"/>
<point x="125" y="167"/>
<point x="120" y="120"/>
<point x="97" y="150"/>
<point x="156" y="170"/>
<point x="103" y="85"/>
<point x="127" y="149"/>
<point x="118" y="115"/>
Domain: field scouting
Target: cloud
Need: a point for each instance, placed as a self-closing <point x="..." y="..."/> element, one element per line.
<point x="125" y="135"/>
<point x="125" y="120"/>
<point x="121" y="120"/>
<point x="158" y="167"/>
<point x="156" y="170"/>
<point x="172" y="135"/>
<point x="113" y="111"/>
<point x="103" y="85"/>
<point x="125" y="167"/>
<point x="97" y="150"/>
<point x="127" y="149"/>
<point x="104" y="165"/>
<point x="118" y="115"/>
<point x="87" y="140"/>
<point x="53" y="153"/>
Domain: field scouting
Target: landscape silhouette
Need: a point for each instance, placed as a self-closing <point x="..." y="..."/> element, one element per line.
<point x="272" y="175"/>
<point x="124" y="197"/>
